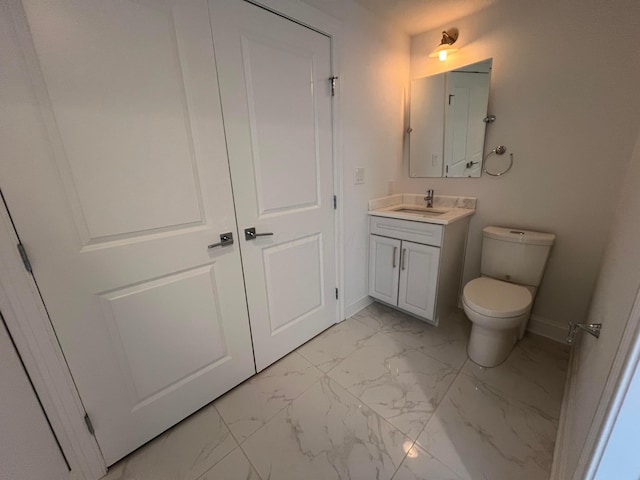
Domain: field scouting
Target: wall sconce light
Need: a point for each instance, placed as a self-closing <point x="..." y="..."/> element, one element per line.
<point x="449" y="37"/>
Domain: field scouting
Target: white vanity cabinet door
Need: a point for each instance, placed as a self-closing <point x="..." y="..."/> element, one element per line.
<point x="418" y="279"/>
<point x="384" y="261"/>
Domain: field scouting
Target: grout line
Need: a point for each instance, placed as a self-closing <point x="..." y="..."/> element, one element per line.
<point x="322" y="374"/>
<point x="403" y="459"/>
<point x="226" y="425"/>
<point x="238" y="445"/>
<point x="436" y="411"/>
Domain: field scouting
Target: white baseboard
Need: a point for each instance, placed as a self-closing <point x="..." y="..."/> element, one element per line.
<point x="547" y="328"/>
<point x="355" y="307"/>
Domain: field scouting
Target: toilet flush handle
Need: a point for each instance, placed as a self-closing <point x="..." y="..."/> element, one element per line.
<point x="591" y="328"/>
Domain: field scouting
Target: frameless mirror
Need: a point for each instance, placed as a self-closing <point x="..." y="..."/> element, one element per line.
<point x="448" y="117"/>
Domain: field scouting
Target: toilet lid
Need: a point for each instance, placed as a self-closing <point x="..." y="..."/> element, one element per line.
<point x="495" y="298"/>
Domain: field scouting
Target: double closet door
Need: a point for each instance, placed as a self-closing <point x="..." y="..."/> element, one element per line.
<point x="132" y="142"/>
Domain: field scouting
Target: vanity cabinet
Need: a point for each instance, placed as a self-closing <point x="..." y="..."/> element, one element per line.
<point x="416" y="266"/>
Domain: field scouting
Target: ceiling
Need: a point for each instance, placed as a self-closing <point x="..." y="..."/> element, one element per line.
<point x="417" y="16"/>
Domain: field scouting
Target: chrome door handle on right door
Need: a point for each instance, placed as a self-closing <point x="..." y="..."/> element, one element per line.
<point x="250" y="233"/>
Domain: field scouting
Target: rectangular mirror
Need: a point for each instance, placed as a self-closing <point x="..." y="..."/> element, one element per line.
<point x="447" y="122"/>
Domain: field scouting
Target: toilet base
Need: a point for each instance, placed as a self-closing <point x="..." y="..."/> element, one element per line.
<point x="490" y="347"/>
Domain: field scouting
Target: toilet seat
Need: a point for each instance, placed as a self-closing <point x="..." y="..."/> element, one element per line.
<point x="495" y="298"/>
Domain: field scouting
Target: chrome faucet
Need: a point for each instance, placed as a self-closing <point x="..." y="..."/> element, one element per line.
<point x="429" y="198"/>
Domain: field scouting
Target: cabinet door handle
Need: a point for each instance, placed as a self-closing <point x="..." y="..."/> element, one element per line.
<point x="395" y="250"/>
<point x="403" y="257"/>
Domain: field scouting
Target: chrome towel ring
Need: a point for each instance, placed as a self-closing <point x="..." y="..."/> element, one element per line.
<point x="499" y="150"/>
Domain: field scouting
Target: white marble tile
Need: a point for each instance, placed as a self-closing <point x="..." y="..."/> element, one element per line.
<point x="184" y="452"/>
<point x="534" y="374"/>
<point x="419" y="465"/>
<point x="333" y="345"/>
<point x="480" y="435"/>
<point x="250" y="405"/>
<point x="327" y="434"/>
<point x="377" y="315"/>
<point x="399" y="383"/>
<point x="234" y="466"/>
<point x="446" y="342"/>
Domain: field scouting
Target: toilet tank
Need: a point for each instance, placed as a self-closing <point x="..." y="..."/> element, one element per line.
<point x="514" y="255"/>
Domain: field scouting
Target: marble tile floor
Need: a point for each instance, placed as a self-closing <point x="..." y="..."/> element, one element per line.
<point x="379" y="396"/>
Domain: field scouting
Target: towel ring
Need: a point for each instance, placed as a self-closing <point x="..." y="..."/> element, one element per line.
<point x="499" y="150"/>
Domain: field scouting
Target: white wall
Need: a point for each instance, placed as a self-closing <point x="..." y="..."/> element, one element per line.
<point x="611" y="305"/>
<point x="374" y="72"/>
<point x="28" y="450"/>
<point x="567" y="105"/>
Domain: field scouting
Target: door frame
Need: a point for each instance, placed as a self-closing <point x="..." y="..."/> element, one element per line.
<point x="620" y="376"/>
<point x="29" y="325"/>
<point x="26" y="315"/>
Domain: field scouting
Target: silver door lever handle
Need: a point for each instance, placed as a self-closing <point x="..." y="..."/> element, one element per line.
<point x="591" y="328"/>
<point x="250" y="233"/>
<point x="225" y="239"/>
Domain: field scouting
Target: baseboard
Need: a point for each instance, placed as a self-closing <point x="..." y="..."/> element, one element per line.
<point x="355" y="307"/>
<point x="547" y="328"/>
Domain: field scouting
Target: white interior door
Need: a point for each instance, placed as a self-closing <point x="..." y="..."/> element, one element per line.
<point x="114" y="169"/>
<point x="277" y="108"/>
<point x="466" y="107"/>
<point x="418" y="279"/>
<point x="384" y="255"/>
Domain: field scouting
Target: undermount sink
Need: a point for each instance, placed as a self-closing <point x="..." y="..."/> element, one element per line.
<point x="427" y="213"/>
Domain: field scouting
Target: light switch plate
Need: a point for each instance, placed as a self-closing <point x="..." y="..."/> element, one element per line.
<point x="359" y="176"/>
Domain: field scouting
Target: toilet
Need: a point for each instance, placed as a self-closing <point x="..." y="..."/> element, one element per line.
<point x="499" y="302"/>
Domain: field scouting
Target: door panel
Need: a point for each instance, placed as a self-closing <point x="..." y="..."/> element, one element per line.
<point x="115" y="121"/>
<point x="276" y="140"/>
<point x="384" y="256"/>
<point x="303" y="258"/>
<point x="418" y="279"/>
<point x="156" y="363"/>
<point x="107" y="112"/>
<point x="278" y="124"/>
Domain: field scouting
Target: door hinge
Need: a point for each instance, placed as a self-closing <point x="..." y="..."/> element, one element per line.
<point x="25" y="258"/>
<point x="87" y="420"/>
<point x="335" y="202"/>
<point x="336" y="294"/>
<point x="332" y="82"/>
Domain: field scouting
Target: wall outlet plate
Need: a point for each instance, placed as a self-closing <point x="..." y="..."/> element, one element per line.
<point x="359" y="179"/>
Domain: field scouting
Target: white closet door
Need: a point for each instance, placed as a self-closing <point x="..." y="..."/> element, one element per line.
<point x="274" y="82"/>
<point x="418" y="279"/>
<point x="384" y="254"/>
<point x="115" y="172"/>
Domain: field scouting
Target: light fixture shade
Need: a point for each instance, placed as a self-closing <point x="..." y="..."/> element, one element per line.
<point x="449" y="37"/>
<point x="443" y="48"/>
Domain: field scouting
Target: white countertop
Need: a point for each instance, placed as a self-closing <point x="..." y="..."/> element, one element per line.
<point x="446" y="209"/>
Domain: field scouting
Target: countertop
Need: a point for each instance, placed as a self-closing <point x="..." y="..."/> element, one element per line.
<point x="452" y="208"/>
